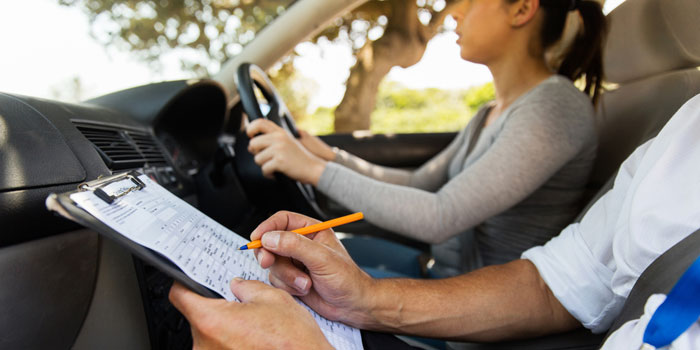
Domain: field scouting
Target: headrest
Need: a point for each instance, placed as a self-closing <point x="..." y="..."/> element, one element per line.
<point x="648" y="37"/>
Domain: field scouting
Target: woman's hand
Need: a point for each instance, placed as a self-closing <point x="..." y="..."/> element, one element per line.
<point x="316" y="146"/>
<point x="315" y="267"/>
<point x="277" y="151"/>
<point x="266" y="318"/>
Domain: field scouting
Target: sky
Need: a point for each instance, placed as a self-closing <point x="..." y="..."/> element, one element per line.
<point x="47" y="46"/>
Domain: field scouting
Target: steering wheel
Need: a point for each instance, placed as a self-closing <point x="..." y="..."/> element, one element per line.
<point x="260" y="100"/>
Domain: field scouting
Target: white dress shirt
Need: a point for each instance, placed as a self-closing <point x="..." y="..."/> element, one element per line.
<point x="655" y="202"/>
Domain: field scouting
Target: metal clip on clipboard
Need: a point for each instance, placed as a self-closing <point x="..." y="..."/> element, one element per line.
<point x="97" y="185"/>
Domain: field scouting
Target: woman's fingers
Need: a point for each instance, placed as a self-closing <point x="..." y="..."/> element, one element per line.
<point x="261" y="126"/>
<point x="262" y="142"/>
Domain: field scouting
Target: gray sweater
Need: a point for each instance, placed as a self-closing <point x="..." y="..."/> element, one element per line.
<point x="518" y="186"/>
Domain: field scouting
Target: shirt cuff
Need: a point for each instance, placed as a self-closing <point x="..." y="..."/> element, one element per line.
<point x="325" y="182"/>
<point x="577" y="279"/>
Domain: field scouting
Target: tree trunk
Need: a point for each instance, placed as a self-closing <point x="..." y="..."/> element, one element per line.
<point x="403" y="44"/>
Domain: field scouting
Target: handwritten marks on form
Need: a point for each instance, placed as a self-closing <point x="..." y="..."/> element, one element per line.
<point x="202" y="248"/>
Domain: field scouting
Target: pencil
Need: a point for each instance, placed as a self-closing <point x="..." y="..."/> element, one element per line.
<point x="313" y="228"/>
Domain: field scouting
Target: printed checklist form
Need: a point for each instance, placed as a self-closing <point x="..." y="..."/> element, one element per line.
<point x="204" y="250"/>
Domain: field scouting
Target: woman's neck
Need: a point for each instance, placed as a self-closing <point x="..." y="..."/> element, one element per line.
<point x="514" y="76"/>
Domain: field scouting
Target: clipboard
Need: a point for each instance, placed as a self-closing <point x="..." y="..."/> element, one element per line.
<point x="63" y="205"/>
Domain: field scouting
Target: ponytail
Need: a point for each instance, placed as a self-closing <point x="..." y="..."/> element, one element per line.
<point x="584" y="57"/>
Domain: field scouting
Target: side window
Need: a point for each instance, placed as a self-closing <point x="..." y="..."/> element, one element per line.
<point x="349" y="78"/>
<point x="98" y="46"/>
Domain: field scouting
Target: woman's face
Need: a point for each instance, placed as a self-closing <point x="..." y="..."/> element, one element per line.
<point x="483" y="29"/>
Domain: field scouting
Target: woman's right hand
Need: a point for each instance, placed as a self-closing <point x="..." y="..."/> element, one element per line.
<point x="316" y="268"/>
<point x="276" y="150"/>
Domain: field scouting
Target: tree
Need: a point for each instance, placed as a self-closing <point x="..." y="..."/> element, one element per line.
<point x="382" y="33"/>
<point x="407" y="27"/>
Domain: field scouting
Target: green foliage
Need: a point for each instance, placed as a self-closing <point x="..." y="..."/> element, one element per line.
<point x="318" y="123"/>
<point x="206" y="32"/>
<point x="203" y="34"/>
<point x="295" y="89"/>
<point x="369" y="21"/>
<point x="477" y="96"/>
<point x="403" y="110"/>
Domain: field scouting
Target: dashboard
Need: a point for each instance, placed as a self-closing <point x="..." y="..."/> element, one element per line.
<point x="169" y="131"/>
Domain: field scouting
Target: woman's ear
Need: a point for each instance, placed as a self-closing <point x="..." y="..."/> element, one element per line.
<point x="523" y="11"/>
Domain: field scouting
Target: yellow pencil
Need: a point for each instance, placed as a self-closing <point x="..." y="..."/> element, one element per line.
<point x="313" y="228"/>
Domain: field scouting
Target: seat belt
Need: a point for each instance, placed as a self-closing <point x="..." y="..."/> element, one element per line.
<point x="659" y="277"/>
<point x="677" y="313"/>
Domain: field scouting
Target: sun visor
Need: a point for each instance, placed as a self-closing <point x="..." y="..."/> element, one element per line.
<point x="648" y="37"/>
<point x="33" y="153"/>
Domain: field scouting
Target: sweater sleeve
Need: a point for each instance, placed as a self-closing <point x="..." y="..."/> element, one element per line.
<point x="430" y="176"/>
<point x="536" y="141"/>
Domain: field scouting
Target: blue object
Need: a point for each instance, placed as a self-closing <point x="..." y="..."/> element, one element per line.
<point x="678" y="312"/>
<point x="381" y="258"/>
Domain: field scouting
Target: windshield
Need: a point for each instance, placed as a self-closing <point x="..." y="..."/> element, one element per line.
<point x="72" y="50"/>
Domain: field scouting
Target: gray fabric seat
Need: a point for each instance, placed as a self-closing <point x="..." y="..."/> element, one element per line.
<point x="651" y="60"/>
<point x="652" y="63"/>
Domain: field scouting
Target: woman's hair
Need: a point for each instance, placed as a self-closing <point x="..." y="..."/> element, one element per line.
<point x="584" y="57"/>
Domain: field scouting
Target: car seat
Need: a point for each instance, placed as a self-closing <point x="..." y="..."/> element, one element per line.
<point x="652" y="65"/>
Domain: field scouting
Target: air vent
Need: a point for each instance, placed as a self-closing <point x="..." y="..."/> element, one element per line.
<point x="148" y="148"/>
<point x="122" y="148"/>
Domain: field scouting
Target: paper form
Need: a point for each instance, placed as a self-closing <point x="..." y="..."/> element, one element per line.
<point x="202" y="248"/>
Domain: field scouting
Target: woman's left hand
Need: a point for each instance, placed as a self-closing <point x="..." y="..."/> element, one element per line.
<point x="277" y="151"/>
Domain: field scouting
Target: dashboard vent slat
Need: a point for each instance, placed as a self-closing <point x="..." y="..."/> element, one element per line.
<point x="122" y="148"/>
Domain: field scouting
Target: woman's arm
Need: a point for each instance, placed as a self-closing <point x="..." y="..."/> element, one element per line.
<point x="430" y="176"/>
<point x="535" y="143"/>
<point x="304" y="159"/>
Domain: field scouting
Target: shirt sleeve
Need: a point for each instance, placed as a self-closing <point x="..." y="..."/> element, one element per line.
<point x="430" y="176"/>
<point x="536" y="142"/>
<point x="578" y="278"/>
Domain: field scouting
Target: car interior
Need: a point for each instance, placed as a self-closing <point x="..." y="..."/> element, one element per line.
<point x="65" y="286"/>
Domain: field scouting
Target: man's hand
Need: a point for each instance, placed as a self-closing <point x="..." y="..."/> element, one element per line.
<point x="266" y="318"/>
<point x="494" y="303"/>
<point x="314" y="267"/>
<point x="277" y="151"/>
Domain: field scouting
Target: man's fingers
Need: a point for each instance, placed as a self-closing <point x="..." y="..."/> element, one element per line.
<point x="265" y="258"/>
<point x="282" y="221"/>
<point x="299" y="287"/>
<point x="312" y="254"/>
<point x="290" y="277"/>
<point x="190" y="304"/>
<point x="248" y="291"/>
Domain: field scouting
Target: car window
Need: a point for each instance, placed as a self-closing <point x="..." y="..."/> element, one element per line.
<point x="439" y="93"/>
<point x="79" y="49"/>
